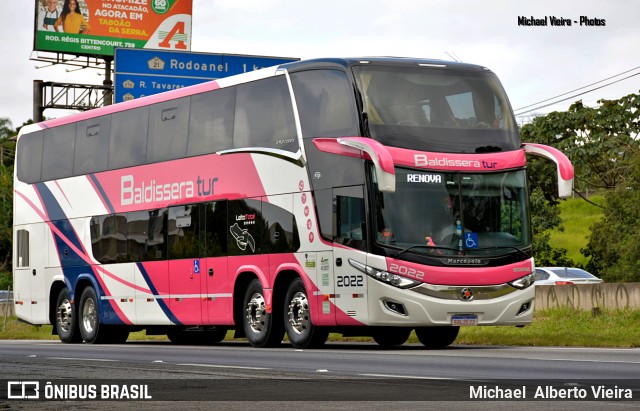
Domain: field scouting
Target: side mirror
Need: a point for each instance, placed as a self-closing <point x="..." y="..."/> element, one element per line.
<point x="563" y="165"/>
<point x="382" y="160"/>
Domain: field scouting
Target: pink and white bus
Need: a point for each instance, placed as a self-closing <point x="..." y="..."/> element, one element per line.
<point x="359" y="196"/>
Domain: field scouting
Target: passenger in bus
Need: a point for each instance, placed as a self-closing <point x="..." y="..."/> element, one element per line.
<point x="51" y="15"/>
<point x="71" y="19"/>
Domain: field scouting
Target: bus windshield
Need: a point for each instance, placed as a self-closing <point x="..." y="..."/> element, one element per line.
<point x="431" y="109"/>
<point x="448" y="214"/>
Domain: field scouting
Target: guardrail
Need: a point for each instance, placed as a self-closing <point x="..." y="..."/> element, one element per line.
<point x="588" y="296"/>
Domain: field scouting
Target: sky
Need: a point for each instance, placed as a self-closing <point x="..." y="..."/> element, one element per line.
<point x="533" y="63"/>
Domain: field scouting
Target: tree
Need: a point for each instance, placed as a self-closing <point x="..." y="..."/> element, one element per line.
<point x="603" y="146"/>
<point x="613" y="245"/>
<point x="7" y="152"/>
<point x="599" y="141"/>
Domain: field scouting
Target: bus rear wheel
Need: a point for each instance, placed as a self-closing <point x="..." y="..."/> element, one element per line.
<point x="437" y="337"/>
<point x="66" y="321"/>
<point x="88" y="319"/>
<point x="259" y="327"/>
<point x="391" y="336"/>
<point x="297" y="319"/>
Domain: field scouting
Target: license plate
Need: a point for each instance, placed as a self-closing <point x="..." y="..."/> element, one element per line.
<point x="467" y="319"/>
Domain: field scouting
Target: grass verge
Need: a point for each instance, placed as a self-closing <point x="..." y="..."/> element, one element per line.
<point x="559" y="327"/>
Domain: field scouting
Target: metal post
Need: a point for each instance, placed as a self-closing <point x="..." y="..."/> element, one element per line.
<point x="108" y="97"/>
<point x="38" y="111"/>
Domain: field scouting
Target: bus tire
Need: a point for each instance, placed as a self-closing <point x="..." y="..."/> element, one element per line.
<point x="297" y="319"/>
<point x="88" y="318"/>
<point x="66" y="319"/>
<point x="437" y="337"/>
<point x="259" y="327"/>
<point x="391" y="336"/>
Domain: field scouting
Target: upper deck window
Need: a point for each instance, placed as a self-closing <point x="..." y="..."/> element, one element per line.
<point x="434" y="109"/>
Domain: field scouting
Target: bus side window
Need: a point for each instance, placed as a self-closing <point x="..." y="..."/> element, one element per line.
<point x="59" y="144"/>
<point x="211" y="120"/>
<point x="128" y="142"/>
<point x="29" y="157"/>
<point x="92" y="144"/>
<point x="22" y="248"/>
<point x="326" y="103"/>
<point x="264" y="115"/>
<point x="349" y="217"/>
<point x="168" y="129"/>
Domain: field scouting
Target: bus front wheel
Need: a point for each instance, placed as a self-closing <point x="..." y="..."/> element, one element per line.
<point x="300" y="330"/>
<point x="437" y="337"/>
<point x="259" y="327"/>
<point x="66" y="321"/>
<point x="388" y="337"/>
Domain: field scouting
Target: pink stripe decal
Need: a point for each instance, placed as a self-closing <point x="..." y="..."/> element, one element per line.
<point x="460" y="276"/>
<point x="97" y="191"/>
<point x="422" y="159"/>
<point x="45" y="218"/>
<point x="184" y="181"/>
<point x="63" y="193"/>
<point x="458" y="162"/>
<point x="82" y="253"/>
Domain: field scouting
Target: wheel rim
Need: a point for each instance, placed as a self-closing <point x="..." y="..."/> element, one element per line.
<point x="256" y="313"/>
<point x="65" y="315"/>
<point x="89" y="315"/>
<point x="299" y="313"/>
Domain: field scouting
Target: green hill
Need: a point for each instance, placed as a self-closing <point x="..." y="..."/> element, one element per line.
<point x="577" y="218"/>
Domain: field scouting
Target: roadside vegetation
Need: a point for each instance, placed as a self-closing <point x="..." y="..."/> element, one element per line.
<point x="558" y="327"/>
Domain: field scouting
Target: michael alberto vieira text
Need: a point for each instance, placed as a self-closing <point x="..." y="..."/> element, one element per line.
<point x="548" y="392"/>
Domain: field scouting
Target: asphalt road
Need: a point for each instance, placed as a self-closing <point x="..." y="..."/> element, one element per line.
<point x="339" y="376"/>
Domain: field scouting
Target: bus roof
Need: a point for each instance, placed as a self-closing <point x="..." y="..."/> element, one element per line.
<point x="255" y="75"/>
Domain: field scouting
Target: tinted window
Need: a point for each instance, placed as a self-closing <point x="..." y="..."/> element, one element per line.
<point x="184" y="231"/>
<point x="92" y="145"/>
<point x="109" y="238"/>
<point x="145" y="235"/>
<point x="168" y="128"/>
<point x="211" y="121"/>
<point x="264" y="115"/>
<point x="128" y="144"/>
<point x="325" y="103"/>
<point x="22" y="248"/>
<point x="245" y="224"/>
<point x="281" y="232"/>
<point x="216" y="229"/>
<point x="58" y="148"/>
<point x="350" y="217"/>
<point x="29" y="157"/>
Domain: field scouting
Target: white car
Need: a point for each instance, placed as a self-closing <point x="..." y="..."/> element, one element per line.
<point x="564" y="275"/>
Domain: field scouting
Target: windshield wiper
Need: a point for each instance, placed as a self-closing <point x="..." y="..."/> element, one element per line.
<point x="428" y="247"/>
<point x="502" y="247"/>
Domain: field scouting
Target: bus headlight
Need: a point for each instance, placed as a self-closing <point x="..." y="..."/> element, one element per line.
<point x="384" y="276"/>
<point x="524" y="282"/>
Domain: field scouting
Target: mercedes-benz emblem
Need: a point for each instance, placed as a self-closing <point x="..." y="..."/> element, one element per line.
<point x="466" y="294"/>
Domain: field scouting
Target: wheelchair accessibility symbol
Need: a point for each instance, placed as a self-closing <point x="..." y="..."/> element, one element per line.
<point x="471" y="240"/>
<point x="196" y="266"/>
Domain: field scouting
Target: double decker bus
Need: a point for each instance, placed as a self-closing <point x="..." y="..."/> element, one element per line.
<point x="367" y="196"/>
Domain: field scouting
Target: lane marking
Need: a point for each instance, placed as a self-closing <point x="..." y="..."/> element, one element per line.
<point x="237" y="367"/>
<point x="414" y="377"/>
<point x="82" y="359"/>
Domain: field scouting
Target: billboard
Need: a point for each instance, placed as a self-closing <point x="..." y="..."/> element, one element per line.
<point x="140" y="73"/>
<point x="98" y="27"/>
